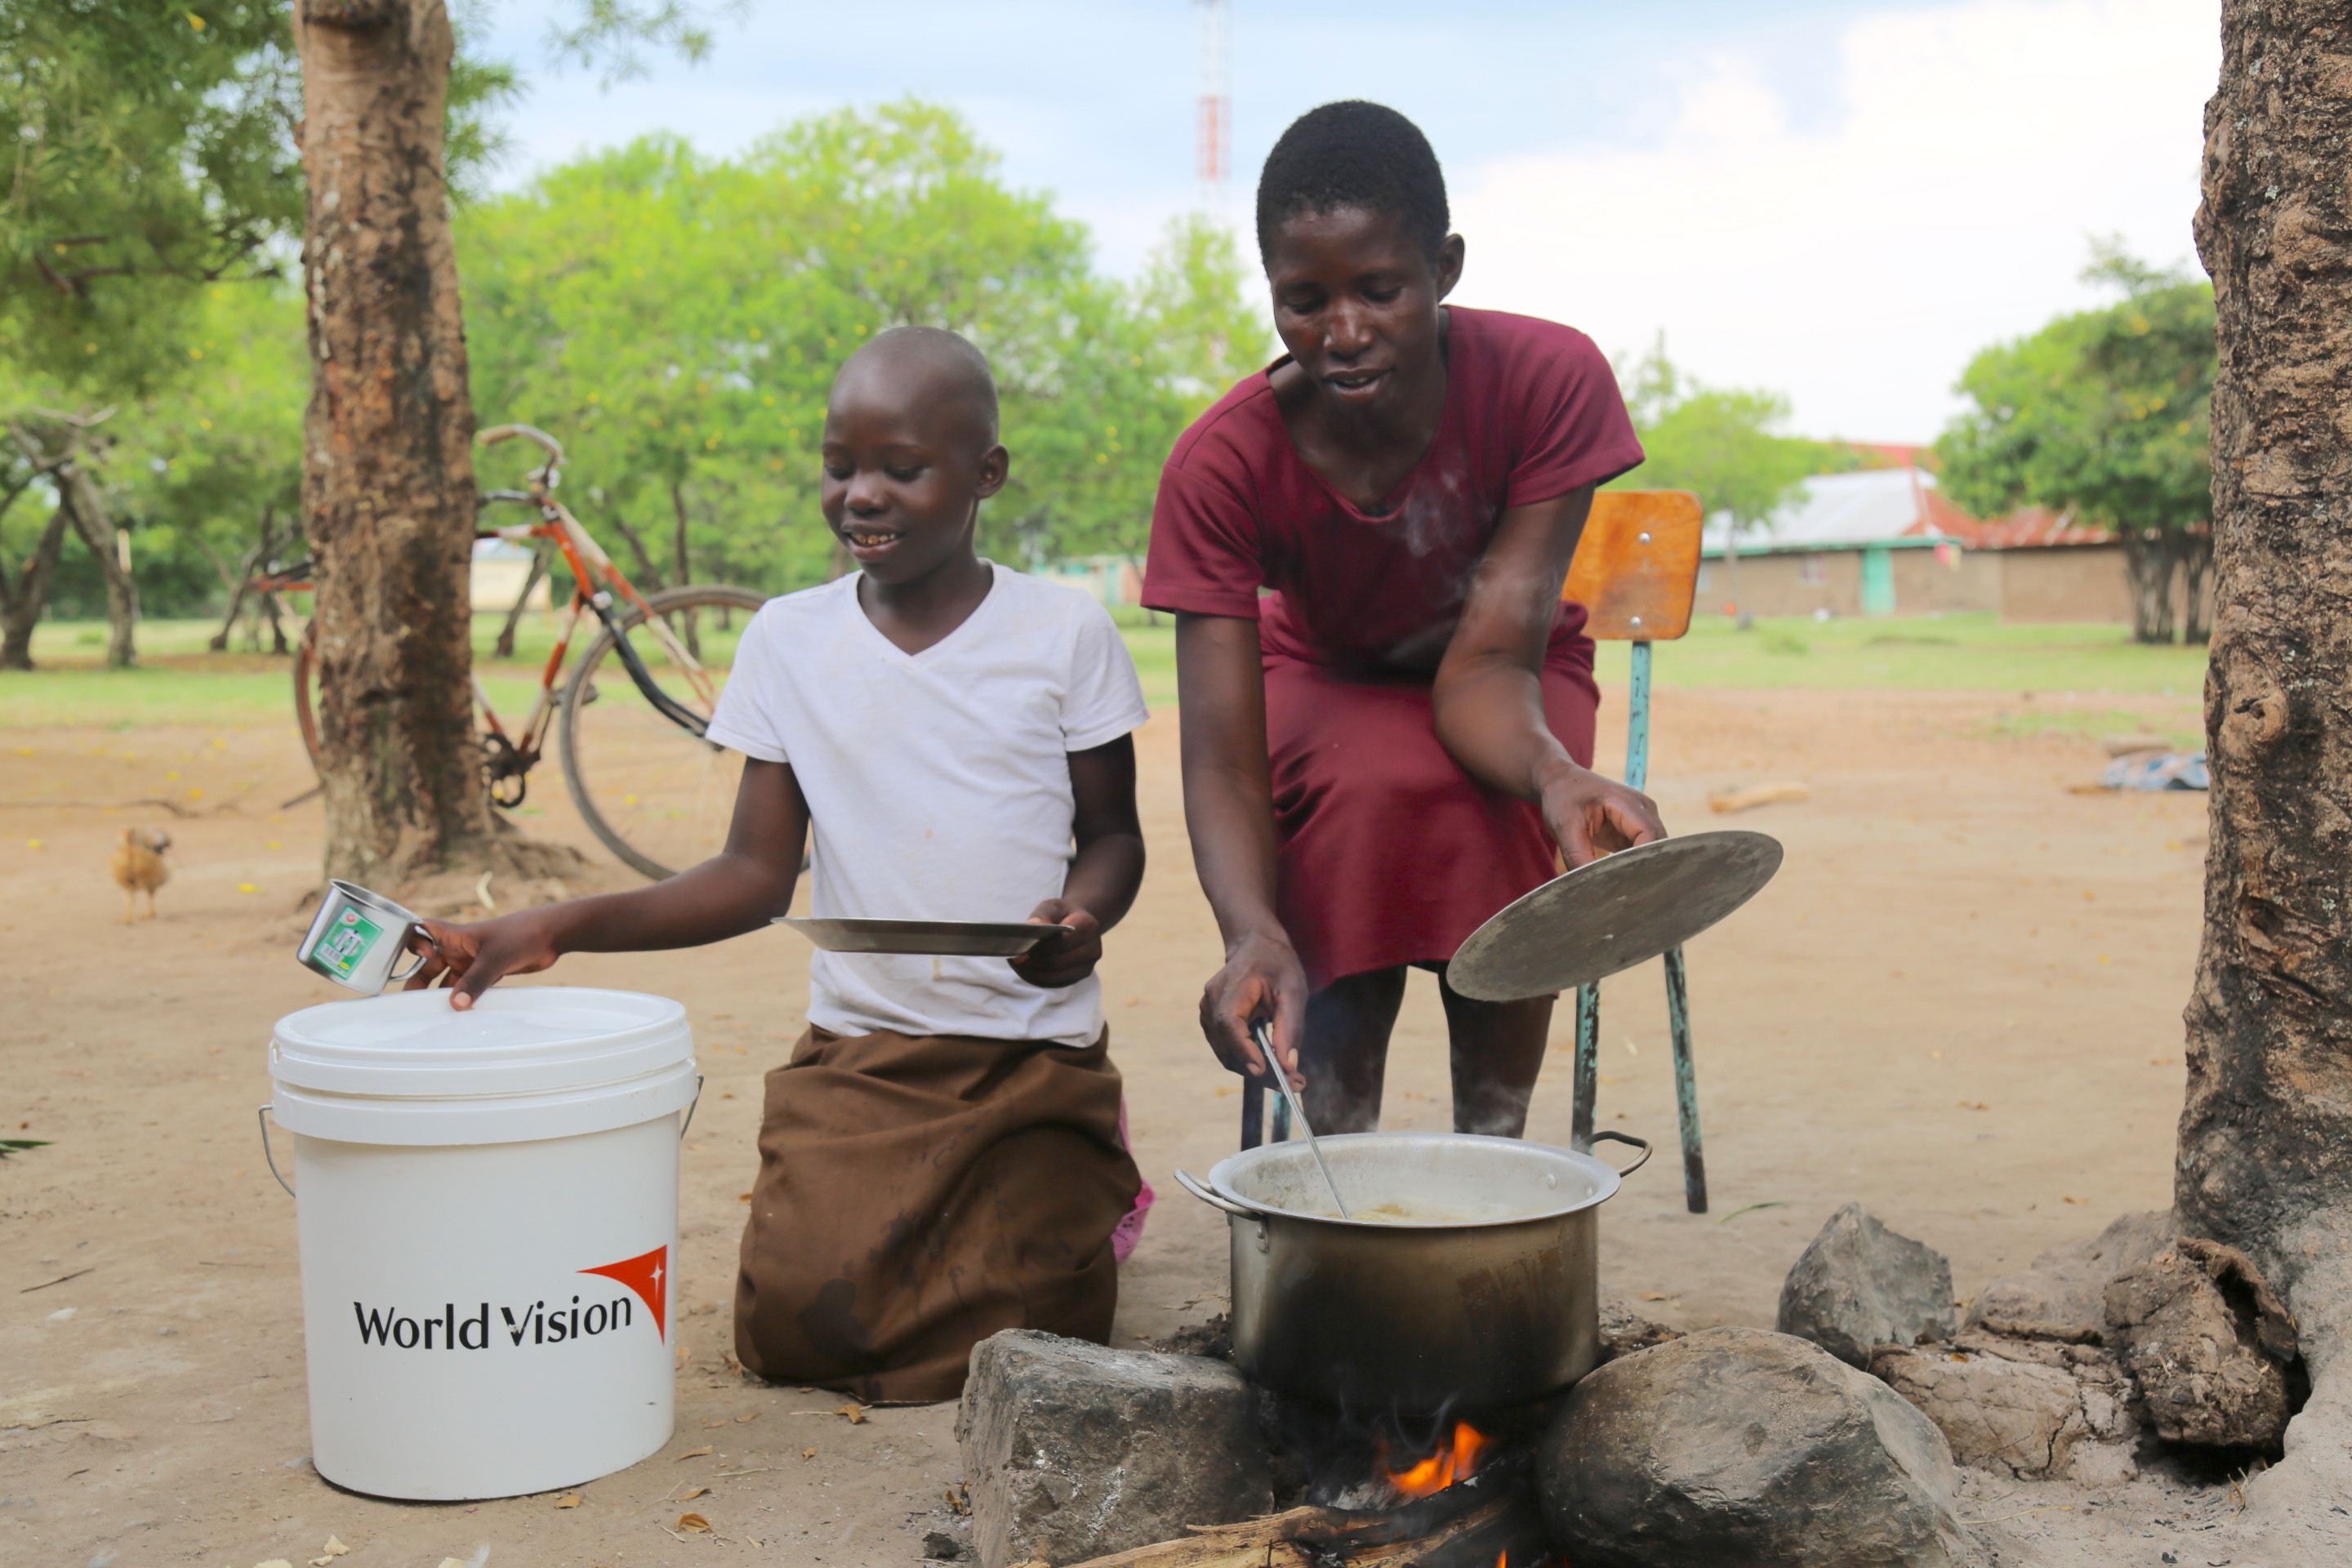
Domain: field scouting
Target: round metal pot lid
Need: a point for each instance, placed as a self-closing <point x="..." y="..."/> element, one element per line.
<point x="1611" y="914"/>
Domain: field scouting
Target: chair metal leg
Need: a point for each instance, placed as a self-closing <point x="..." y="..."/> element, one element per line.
<point x="1587" y="1068"/>
<point x="1686" y="1083"/>
<point x="1253" y="1112"/>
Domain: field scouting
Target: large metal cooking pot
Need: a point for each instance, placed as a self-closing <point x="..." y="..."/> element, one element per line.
<point x="1468" y="1278"/>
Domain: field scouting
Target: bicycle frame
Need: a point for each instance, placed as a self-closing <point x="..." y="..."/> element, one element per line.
<point x="590" y="565"/>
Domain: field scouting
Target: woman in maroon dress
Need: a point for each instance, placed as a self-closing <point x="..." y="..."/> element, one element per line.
<point x="1387" y="709"/>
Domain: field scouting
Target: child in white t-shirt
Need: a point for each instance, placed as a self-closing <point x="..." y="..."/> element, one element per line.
<point x="941" y="1158"/>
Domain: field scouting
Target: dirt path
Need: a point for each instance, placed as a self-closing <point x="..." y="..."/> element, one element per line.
<point x="1960" y="1003"/>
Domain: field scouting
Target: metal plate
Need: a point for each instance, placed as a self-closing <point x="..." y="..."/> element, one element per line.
<point x="958" y="938"/>
<point x="1611" y="914"/>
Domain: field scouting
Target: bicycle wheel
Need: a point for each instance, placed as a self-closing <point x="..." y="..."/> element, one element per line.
<point x="655" y="791"/>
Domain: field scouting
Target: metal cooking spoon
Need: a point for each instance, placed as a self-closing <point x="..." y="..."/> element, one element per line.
<point x="1264" y="1036"/>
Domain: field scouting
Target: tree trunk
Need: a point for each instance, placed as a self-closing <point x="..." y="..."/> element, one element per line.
<point x="86" y="506"/>
<point x="684" y="567"/>
<point x="240" y="582"/>
<point x="22" y="601"/>
<point x="2265" y="1140"/>
<point x="2196" y="580"/>
<point x="650" y="573"/>
<point x="2147" y="566"/>
<point x="388" y="475"/>
<point x="504" y="648"/>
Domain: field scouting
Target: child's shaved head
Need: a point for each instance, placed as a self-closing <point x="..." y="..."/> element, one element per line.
<point x="929" y="365"/>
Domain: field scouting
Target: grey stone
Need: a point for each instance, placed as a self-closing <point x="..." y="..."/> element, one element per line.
<point x="1859" y="1286"/>
<point x="1739" y="1448"/>
<point x="1072" y="1451"/>
<point x="1625" y="1330"/>
<point x="2031" y="1408"/>
<point x="2062" y="1296"/>
<point x="2209" y="1344"/>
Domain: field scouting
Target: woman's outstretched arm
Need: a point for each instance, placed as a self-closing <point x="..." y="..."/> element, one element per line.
<point x="1229" y="812"/>
<point x="1488" y="696"/>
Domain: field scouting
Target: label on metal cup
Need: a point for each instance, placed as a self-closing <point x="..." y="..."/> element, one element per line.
<point x="346" y="945"/>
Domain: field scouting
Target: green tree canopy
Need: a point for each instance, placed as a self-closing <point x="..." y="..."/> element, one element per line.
<point x="676" y="320"/>
<point x="152" y="155"/>
<point x="2105" y="413"/>
<point x="1723" y="444"/>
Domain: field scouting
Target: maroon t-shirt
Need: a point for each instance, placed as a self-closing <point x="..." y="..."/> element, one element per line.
<point x="1532" y="412"/>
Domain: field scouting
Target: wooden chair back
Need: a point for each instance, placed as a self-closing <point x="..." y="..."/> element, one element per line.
<point x="1636" y="567"/>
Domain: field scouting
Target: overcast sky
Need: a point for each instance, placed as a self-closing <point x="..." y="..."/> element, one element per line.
<point x="1835" y="199"/>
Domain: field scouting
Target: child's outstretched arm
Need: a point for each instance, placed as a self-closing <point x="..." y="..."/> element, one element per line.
<point x="740" y="888"/>
<point x="1104" y="873"/>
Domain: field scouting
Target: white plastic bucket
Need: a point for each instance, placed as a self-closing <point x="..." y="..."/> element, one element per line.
<point x="487" y="1208"/>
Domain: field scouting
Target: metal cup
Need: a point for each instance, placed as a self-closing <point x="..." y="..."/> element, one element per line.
<point x="356" y="937"/>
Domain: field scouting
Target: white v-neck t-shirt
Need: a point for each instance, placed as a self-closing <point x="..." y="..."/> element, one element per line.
<point x="937" y="786"/>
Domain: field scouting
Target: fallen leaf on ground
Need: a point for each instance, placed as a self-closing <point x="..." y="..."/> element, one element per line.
<point x="755" y="1416"/>
<point x="332" y="1550"/>
<point x="856" y="1415"/>
<point x="696" y="1453"/>
<point x="959" y="1499"/>
<point x="808" y="1453"/>
<point x="693" y="1522"/>
<point x="690" y="1495"/>
<point x="1651" y="1296"/>
<point x="569" y="1499"/>
<point x="1974" y="1105"/>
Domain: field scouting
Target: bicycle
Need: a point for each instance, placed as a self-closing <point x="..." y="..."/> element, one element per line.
<point x="638" y="770"/>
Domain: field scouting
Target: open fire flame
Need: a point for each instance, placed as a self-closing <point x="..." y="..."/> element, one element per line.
<point x="1456" y="1460"/>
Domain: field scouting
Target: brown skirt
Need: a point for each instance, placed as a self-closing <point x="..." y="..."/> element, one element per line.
<point x="917" y="1194"/>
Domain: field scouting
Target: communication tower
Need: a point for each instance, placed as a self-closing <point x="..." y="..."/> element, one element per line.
<point x="1213" y="134"/>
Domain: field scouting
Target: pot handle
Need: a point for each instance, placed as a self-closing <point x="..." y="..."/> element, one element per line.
<point x="1641" y="1143"/>
<point x="1215" y="1200"/>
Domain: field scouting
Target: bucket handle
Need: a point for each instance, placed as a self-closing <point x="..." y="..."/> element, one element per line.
<point x="261" y="1115"/>
<point x="691" y="1108"/>
<point x="1214" y="1199"/>
<point x="1641" y="1143"/>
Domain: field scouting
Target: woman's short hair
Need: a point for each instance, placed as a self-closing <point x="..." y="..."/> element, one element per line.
<point x="1353" y="154"/>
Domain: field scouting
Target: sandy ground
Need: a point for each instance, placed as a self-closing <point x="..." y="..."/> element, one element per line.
<point x="1959" y="1004"/>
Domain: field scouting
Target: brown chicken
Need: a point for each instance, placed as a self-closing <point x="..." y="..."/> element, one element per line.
<point x="138" y="866"/>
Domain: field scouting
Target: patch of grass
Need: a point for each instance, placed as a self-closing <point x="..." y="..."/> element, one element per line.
<point x="2088" y="724"/>
<point x="1154" y="650"/>
<point x="179" y="682"/>
<point x="1949" y="653"/>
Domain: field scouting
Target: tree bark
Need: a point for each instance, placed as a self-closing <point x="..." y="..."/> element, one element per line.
<point x="22" y="601"/>
<point x="2264" y="1157"/>
<point x="388" y="473"/>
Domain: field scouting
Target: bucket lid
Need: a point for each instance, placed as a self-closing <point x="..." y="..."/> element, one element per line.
<point x="514" y="1040"/>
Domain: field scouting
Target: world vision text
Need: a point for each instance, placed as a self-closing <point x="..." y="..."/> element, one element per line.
<point x="538" y="1323"/>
